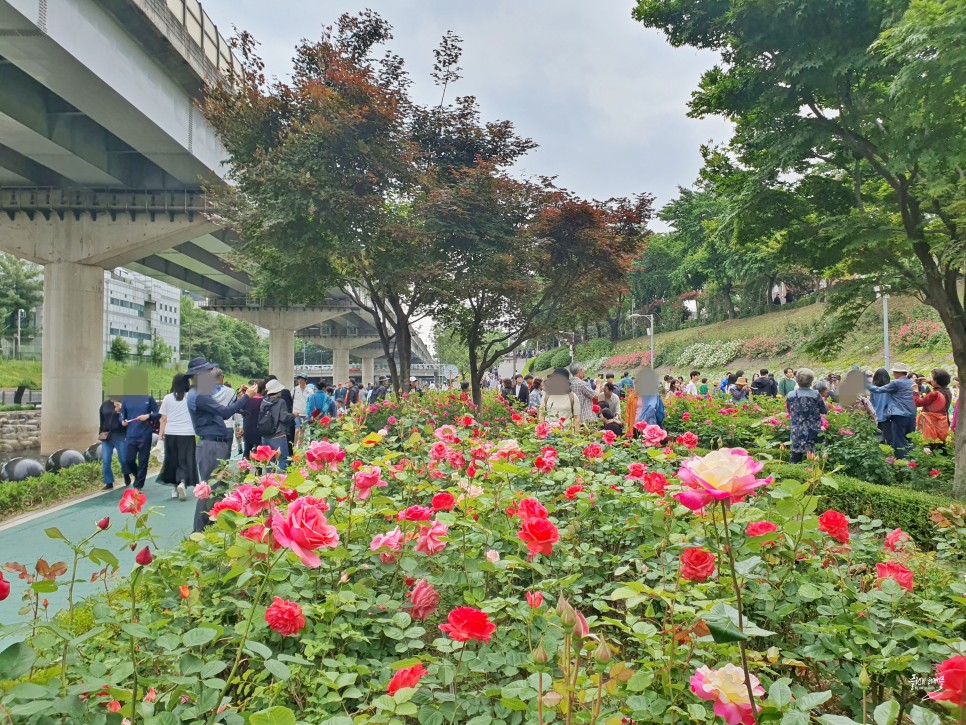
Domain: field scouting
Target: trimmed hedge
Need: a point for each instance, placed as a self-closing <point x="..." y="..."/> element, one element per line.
<point x="896" y="507"/>
<point x="17" y="497"/>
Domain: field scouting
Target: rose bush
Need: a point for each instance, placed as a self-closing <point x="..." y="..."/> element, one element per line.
<point x="477" y="586"/>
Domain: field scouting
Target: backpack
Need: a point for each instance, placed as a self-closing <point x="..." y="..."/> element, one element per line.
<point x="268" y="417"/>
<point x="653" y="412"/>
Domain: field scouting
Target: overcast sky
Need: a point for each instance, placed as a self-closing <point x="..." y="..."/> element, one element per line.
<point x="604" y="97"/>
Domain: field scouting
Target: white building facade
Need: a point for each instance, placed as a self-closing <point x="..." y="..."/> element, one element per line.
<point x="138" y="308"/>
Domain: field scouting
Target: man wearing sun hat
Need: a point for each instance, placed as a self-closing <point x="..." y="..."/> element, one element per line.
<point x="208" y="417"/>
<point x="901" y="407"/>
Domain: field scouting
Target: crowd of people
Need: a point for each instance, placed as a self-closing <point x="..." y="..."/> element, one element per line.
<point x="201" y="420"/>
<point x="900" y="401"/>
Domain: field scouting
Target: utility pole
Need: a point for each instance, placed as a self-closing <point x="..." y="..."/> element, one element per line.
<point x="20" y="315"/>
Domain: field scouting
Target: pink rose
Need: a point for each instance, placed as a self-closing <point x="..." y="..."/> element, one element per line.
<point x="724" y="474"/>
<point x="322" y="455"/>
<point x="202" y="491"/>
<point x="393" y="540"/>
<point x="430" y="542"/>
<point x="424" y="600"/>
<point x="304" y="529"/>
<point x="726" y="687"/>
<point x="366" y="479"/>
<point x="492" y="556"/>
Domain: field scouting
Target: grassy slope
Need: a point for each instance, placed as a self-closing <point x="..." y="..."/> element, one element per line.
<point x="863" y="348"/>
<point x="159" y="378"/>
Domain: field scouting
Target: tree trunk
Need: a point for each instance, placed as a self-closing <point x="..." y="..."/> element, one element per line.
<point x="615" y="328"/>
<point x="476" y="379"/>
<point x="18" y="396"/>
<point x="958" y="339"/>
<point x="729" y="302"/>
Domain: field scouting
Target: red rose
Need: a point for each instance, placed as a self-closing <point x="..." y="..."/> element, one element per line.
<point x="425" y="599"/>
<point x="285" y="617"/>
<point x="896" y="540"/>
<point x="443" y="501"/>
<point x="572" y="492"/>
<point x="466" y="623"/>
<point x="534" y="599"/>
<point x="304" y="528"/>
<point x="894" y="570"/>
<point x="104" y="523"/>
<point x="697" y="564"/>
<point x="406" y="677"/>
<point x="144" y="557"/>
<point x="415" y="513"/>
<point x="528" y="508"/>
<point x="4" y="587"/>
<point x="654" y="482"/>
<point x="539" y="535"/>
<point x="263" y="454"/>
<point x="835" y="524"/>
<point x="132" y="501"/>
<point x="689" y="440"/>
<point x="951" y="676"/>
<point x="934" y="472"/>
<point x="760" y="528"/>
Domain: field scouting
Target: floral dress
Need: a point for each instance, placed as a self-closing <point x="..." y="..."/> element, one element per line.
<point x="806" y="408"/>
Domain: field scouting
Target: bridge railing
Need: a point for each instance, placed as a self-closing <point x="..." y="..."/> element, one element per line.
<point x="252" y="301"/>
<point x="44" y="198"/>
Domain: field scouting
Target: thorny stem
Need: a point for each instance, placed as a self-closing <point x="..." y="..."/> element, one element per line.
<point x="244" y="639"/>
<point x="741" y="625"/>
<point x="134" y="662"/>
<point x="456" y="706"/>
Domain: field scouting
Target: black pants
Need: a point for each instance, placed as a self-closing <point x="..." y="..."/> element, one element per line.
<point x="902" y="426"/>
<point x="137" y="457"/>
<point x="885" y="430"/>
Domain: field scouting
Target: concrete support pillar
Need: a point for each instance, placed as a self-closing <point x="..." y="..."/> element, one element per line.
<point x="368" y="370"/>
<point x="73" y="355"/>
<point x="340" y="365"/>
<point x="281" y="355"/>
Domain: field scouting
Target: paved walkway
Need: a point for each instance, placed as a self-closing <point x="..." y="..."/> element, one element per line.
<point x="23" y="540"/>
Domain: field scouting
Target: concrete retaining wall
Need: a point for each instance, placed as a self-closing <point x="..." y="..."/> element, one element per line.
<point x="19" y="431"/>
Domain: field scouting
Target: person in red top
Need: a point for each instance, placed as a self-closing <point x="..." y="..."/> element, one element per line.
<point x="934" y="421"/>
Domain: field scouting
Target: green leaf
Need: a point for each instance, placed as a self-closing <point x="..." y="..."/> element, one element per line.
<point x="724" y="631"/>
<point x="54" y="533"/>
<point x="811" y="700"/>
<point x="279" y="669"/>
<point x="44" y="586"/>
<point x="16" y="660"/>
<point x="810" y="591"/>
<point x="163" y="718"/>
<point x="747" y="566"/>
<point x="273" y="716"/>
<point x="104" y="556"/>
<point x="837" y="720"/>
<point x="258" y="648"/>
<point x="922" y="716"/>
<point x="780" y="694"/>
<point x="887" y="713"/>
<point x="199" y="636"/>
<point x="136" y="630"/>
<point x="795" y="717"/>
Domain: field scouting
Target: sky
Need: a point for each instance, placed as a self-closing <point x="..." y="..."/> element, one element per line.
<point x="604" y="97"/>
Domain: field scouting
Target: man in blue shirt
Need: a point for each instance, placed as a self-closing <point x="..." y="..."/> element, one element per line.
<point x="137" y="412"/>
<point x="902" y="408"/>
<point x="208" y="417"/>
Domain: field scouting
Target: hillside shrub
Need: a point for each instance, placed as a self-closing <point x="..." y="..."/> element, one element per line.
<point x="710" y="354"/>
<point x="560" y="358"/>
<point x="598" y="347"/>
<point x="764" y="347"/>
<point x="628" y="361"/>
<point x="922" y="333"/>
<point x="542" y="361"/>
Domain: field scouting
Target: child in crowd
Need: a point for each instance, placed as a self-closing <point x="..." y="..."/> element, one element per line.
<point x="703" y="387"/>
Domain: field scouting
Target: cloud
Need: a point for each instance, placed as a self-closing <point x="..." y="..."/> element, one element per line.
<point x="604" y="97"/>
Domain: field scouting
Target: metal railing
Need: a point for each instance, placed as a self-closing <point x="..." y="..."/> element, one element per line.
<point x="251" y="301"/>
<point x="45" y="198"/>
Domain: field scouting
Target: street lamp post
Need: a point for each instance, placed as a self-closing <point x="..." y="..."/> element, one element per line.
<point x="20" y="315"/>
<point x="883" y="292"/>
<point x="650" y="331"/>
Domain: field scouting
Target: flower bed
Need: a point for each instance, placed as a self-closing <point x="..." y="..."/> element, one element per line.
<point x="441" y="569"/>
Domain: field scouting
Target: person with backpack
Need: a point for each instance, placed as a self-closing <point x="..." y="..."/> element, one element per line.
<point x="380" y="391"/>
<point x="139" y="415"/>
<point x="351" y="395"/>
<point x="256" y="391"/>
<point x="320" y="404"/>
<point x="935" y="407"/>
<point x="274" y="420"/>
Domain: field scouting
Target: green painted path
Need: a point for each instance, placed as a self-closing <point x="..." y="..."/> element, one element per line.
<point x="24" y="540"/>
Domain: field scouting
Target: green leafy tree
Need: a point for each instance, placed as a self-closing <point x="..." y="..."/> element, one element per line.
<point x="120" y="350"/>
<point x="21" y="288"/>
<point x="867" y="90"/>
<point x="141" y="349"/>
<point x="160" y="352"/>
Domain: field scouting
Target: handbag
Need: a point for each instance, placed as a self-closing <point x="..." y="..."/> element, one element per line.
<point x="103" y="436"/>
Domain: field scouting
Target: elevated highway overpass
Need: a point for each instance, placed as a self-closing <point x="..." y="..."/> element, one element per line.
<point x="103" y="154"/>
